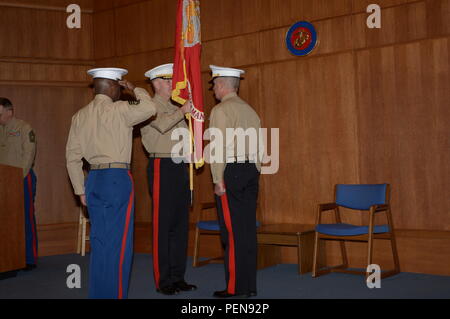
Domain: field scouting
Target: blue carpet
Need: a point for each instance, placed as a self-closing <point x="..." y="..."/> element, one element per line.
<point x="48" y="281"/>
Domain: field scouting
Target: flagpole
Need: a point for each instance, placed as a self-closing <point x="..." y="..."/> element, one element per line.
<point x="191" y="164"/>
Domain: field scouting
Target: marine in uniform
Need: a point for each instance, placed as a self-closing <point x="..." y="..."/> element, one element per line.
<point x="101" y="133"/>
<point x="236" y="180"/>
<point x="18" y="148"/>
<point x="169" y="186"/>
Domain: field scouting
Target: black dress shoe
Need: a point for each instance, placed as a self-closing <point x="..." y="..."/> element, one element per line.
<point x="225" y="294"/>
<point x="184" y="286"/>
<point x="168" y="290"/>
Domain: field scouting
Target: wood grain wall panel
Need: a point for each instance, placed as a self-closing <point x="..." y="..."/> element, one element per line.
<point x="399" y="24"/>
<point x="138" y="64"/>
<point x="318" y="146"/>
<point x="285" y="13"/>
<point x="44" y="34"/>
<point x="361" y="5"/>
<point x="121" y="3"/>
<point x="225" y="18"/>
<point x="141" y="26"/>
<point x="438" y="17"/>
<point x="404" y="102"/>
<point x="57" y="239"/>
<point x="60" y="4"/>
<point x="237" y="51"/>
<point x="101" y="5"/>
<point x="104" y="35"/>
<point x="43" y="72"/>
<point x="109" y="62"/>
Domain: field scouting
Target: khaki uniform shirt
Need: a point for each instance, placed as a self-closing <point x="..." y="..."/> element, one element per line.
<point x="156" y="136"/>
<point x="234" y="113"/>
<point x="102" y="133"/>
<point x="17" y="145"/>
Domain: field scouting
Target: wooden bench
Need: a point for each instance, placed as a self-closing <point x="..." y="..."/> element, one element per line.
<point x="293" y="235"/>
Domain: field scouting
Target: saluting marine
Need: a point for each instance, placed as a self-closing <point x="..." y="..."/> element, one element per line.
<point x="169" y="186"/>
<point x="236" y="180"/>
<point x="18" y="148"/>
<point x="101" y="133"/>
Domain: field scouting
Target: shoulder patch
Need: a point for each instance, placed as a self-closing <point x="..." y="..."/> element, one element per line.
<point x="134" y="102"/>
<point x="32" y="137"/>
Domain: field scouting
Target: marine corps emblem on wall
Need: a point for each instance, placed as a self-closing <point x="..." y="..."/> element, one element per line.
<point x="301" y="39"/>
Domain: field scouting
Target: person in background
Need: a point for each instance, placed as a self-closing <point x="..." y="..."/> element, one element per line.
<point x="18" y="148"/>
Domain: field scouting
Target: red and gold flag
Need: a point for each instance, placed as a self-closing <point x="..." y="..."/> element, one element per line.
<point x="187" y="81"/>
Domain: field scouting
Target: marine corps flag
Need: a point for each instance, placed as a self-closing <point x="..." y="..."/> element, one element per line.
<point x="187" y="82"/>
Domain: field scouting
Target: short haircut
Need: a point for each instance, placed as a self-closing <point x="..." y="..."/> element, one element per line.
<point x="6" y="103"/>
<point x="232" y="82"/>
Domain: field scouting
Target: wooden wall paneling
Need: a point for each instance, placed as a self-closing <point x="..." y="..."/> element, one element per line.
<point x="438" y="17"/>
<point x="44" y="34"/>
<point x="400" y="130"/>
<point x="102" y="5"/>
<point x="278" y="14"/>
<point x="145" y="26"/>
<point x="399" y="24"/>
<point x="86" y="5"/>
<point x="109" y="62"/>
<point x="235" y="51"/>
<point x="104" y="38"/>
<point x="138" y="64"/>
<point x="318" y="147"/>
<point x="43" y="72"/>
<point x="285" y="13"/>
<point x="57" y="239"/>
<point x="225" y="18"/>
<point x="361" y="5"/>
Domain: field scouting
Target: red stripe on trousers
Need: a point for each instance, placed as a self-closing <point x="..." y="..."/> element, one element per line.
<point x="31" y="213"/>
<point x="231" y="254"/>
<point x="156" y="191"/>
<point x="125" y="235"/>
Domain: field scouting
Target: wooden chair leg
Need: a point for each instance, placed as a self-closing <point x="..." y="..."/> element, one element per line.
<point x="369" y="252"/>
<point x="316" y="253"/>
<point x="196" y="247"/>
<point x="80" y="224"/>
<point x="393" y="243"/>
<point x="83" y="238"/>
<point x="343" y="254"/>
<point x="370" y="242"/>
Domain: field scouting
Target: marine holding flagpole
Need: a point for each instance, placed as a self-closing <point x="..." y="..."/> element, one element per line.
<point x="169" y="186"/>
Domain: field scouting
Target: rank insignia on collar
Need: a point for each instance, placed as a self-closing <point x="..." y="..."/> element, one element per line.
<point x="301" y="39"/>
<point x="32" y="137"/>
<point x="134" y="102"/>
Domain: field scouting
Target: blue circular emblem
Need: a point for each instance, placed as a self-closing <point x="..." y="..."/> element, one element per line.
<point x="301" y="38"/>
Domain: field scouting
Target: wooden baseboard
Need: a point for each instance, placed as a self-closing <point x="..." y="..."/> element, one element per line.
<point x="57" y="239"/>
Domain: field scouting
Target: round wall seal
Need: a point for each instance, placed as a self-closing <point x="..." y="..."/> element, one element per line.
<point x="301" y="39"/>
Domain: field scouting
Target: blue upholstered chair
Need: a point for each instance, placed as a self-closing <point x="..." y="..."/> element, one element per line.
<point x="373" y="199"/>
<point x="206" y="227"/>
